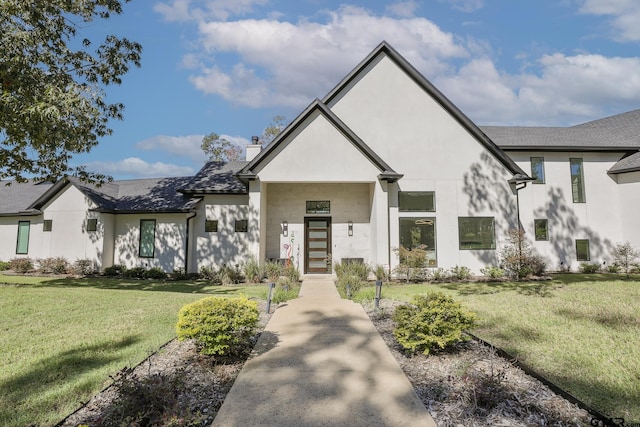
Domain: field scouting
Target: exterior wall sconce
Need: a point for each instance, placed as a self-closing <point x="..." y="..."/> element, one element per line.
<point x="350" y="225"/>
<point x="285" y="228"/>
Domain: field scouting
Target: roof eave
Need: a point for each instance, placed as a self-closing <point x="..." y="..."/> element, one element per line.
<point x="567" y="148"/>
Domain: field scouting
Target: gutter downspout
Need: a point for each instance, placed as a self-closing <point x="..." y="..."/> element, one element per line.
<point x="186" y="249"/>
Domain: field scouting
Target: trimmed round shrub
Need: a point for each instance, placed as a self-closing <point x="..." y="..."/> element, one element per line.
<point x="431" y="322"/>
<point x="220" y="326"/>
<point x="155" y="273"/>
<point x="115" y="270"/>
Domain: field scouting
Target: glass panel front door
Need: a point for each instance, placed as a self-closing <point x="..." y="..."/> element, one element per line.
<point x="318" y="244"/>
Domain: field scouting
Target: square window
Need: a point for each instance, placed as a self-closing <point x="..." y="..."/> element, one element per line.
<point x="147" y="238"/>
<point x="541" y="229"/>
<point x="419" y="233"/>
<point x="582" y="250"/>
<point x="211" y="226"/>
<point x="22" y="246"/>
<point x="537" y="170"/>
<point x="416" y="201"/>
<point x="242" y="226"/>
<point x="476" y="233"/>
<point x="92" y="224"/>
<point x="318" y="207"/>
<point x="47" y="225"/>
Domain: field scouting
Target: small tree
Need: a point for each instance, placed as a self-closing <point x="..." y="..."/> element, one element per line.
<point x="518" y="259"/>
<point x="275" y="127"/>
<point x="625" y="256"/>
<point x="220" y="149"/>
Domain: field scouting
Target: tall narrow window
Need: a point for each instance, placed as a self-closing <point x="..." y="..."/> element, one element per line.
<point x="476" y="233"/>
<point x="582" y="250"/>
<point x="147" y="238"/>
<point x="22" y="247"/>
<point x="577" y="181"/>
<point x="537" y="170"/>
<point x="416" y="201"/>
<point x="541" y="229"/>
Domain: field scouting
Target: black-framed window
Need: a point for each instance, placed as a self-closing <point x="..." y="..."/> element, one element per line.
<point x="419" y="233"/>
<point x="22" y="245"/>
<point x="577" y="181"/>
<point x="476" y="233"/>
<point x="582" y="250"/>
<point x="417" y="201"/>
<point x="147" y="245"/>
<point x="92" y="224"/>
<point x="318" y="207"/>
<point x="541" y="228"/>
<point x="47" y="225"/>
<point x="537" y="170"/>
<point x="211" y="225"/>
<point x="241" y="226"/>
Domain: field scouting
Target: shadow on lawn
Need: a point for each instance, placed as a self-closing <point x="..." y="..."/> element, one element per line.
<point x="27" y="392"/>
<point x="185" y="287"/>
<point x="540" y="289"/>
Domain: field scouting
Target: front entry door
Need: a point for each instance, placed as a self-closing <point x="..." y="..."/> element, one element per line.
<point x="318" y="245"/>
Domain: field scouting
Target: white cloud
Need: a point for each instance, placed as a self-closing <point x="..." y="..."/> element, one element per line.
<point x="403" y="9"/>
<point x="466" y="5"/>
<point x="138" y="168"/>
<point x="198" y="10"/>
<point x="625" y="15"/>
<point x="184" y="146"/>
<point x="290" y="64"/>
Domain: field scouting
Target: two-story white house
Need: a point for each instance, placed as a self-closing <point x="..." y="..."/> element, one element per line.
<point x="383" y="160"/>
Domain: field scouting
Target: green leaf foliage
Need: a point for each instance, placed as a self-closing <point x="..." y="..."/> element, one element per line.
<point x="220" y="326"/>
<point x="431" y="322"/>
<point x="52" y="80"/>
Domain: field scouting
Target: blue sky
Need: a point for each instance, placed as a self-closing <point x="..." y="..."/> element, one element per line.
<point x="230" y="66"/>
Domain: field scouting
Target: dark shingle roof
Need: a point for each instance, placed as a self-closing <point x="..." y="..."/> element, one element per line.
<point x="627" y="164"/>
<point x="562" y="139"/>
<point x="15" y="198"/>
<point x="145" y="195"/>
<point x="217" y="177"/>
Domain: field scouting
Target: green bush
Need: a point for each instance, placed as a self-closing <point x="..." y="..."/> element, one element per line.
<point x="155" y="273"/>
<point x="21" y="265"/>
<point x="518" y="258"/>
<point x="625" y="256"/>
<point x="221" y="326"/>
<point x="460" y="273"/>
<point x="134" y="273"/>
<point x="431" y="322"/>
<point x="273" y="270"/>
<point x="253" y="271"/>
<point x="230" y="275"/>
<point x="54" y="265"/>
<point x="4" y="265"/>
<point x="589" y="268"/>
<point x="381" y="272"/>
<point x="83" y="267"/>
<point x="115" y="270"/>
<point x="439" y="274"/>
<point x="209" y="273"/>
<point x="352" y="268"/>
<point x="291" y="272"/>
<point x="493" y="273"/>
<point x="285" y="290"/>
<point x="613" y="268"/>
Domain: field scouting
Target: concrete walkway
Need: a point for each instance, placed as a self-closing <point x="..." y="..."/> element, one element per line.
<point x="321" y="362"/>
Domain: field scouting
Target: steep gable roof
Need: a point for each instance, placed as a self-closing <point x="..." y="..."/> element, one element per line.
<point x="627" y="164"/>
<point x="386" y="172"/>
<point x="385" y="49"/>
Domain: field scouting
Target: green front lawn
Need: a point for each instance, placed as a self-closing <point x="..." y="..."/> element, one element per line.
<point x="580" y="331"/>
<point x="62" y="338"/>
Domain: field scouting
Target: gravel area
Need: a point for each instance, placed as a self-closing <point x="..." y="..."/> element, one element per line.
<point x="470" y="386"/>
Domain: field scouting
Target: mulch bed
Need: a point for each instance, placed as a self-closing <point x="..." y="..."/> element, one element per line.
<point x="469" y="386"/>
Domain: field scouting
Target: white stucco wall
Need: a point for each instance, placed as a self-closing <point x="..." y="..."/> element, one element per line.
<point x="629" y="191"/>
<point x="422" y="141"/>
<point x="226" y="246"/>
<point x="599" y="219"/>
<point x="9" y="237"/>
<point x="170" y="241"/>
